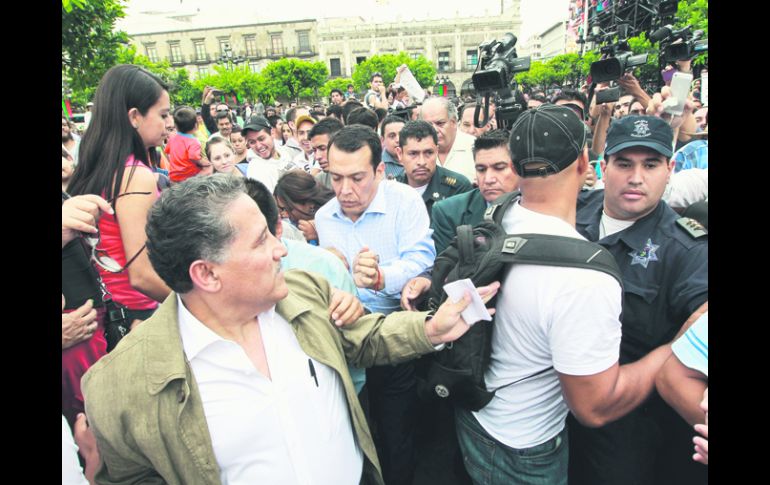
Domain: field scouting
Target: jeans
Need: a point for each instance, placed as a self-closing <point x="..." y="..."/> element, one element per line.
<point x="490" y="462"/>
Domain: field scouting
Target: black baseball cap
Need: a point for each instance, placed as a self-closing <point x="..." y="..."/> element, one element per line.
<point x="256" y="123"/>
<point x="639" y="131"/>
<point x="550" y="134"/>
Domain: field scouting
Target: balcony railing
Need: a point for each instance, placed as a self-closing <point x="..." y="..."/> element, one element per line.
<point x="276" y="52"/>
<point x="200" y="59"/>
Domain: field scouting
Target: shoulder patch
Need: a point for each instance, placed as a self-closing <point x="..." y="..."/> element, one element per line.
<point x="450" y="181"/>
<point x="692" y="227"/>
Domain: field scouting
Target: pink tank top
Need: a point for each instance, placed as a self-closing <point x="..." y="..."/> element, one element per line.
<point x="118" y="283"/>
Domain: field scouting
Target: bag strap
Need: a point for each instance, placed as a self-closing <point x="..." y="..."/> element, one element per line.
<point x="550" y="250"/>
<point x="465" y="260"/>
<point x="499" y="207"/>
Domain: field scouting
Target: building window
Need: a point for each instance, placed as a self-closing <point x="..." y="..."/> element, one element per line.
<point x="251" y="45"/>
<point x="276" y="44"/>
<point x="224" y="45"/>
<point x="203" y="71"/>
<point x="360" y="59"/>
<point x="254" y="66"/>
<point x="334" y="67"/>
<point x="415" y="55"/>
<point x="443" y="61"/>
<point x="471" y="59"/>
<point x="304" y="41"/>
<point x="200" y="50"/>
<point x="152" y="52"/>
<point x="176" y="52"/>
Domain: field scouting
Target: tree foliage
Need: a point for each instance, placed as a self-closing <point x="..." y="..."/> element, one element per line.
<point x="90" y="45"/>
<point x="386" y="64"/>
<point x="291" y="79"/>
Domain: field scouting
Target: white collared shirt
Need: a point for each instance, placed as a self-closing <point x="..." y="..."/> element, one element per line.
<point x="287" y="430"/>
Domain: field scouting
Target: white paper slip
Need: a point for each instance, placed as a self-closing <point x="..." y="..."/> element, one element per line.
<point x="476" y="310"/>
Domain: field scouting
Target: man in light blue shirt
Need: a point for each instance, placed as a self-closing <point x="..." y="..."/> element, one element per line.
<point x="381" y="228"/>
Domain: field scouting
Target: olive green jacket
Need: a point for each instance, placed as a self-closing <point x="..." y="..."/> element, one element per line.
<point x="145" y="410"/>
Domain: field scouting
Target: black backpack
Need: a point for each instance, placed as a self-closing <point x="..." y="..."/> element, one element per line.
<point x="483" y="253"/>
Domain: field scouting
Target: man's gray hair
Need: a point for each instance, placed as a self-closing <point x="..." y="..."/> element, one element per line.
<point x="451" y="109"/>
<point x="189" y="223"/>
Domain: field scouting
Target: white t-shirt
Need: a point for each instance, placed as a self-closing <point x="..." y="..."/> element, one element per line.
<point x="567" y="318"/>
<point x="288" y="430"/>
<point x="269" y="171"/>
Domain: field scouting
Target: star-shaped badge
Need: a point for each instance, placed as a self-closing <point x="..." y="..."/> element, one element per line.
<point x="646" y="255"/>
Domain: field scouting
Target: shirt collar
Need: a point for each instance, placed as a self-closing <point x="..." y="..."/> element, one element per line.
<point x="186" y="135"/>
<point x="196" y="336"/>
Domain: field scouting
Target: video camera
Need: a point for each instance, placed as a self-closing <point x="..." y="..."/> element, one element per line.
<point x="618" y="58"/>
<point x="679" y="45"/>
<point x="497" y="64"/>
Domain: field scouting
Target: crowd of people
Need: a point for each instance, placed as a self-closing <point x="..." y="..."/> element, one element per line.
<point x="243" y="289"/>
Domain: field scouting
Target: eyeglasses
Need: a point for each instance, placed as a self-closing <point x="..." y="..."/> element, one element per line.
<point x="100" y="256"/>
<point x="637" y="111"/>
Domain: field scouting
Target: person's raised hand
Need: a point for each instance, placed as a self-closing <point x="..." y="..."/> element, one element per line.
<point x="412" y="291"/>
<point x="308" y="229"/>
<point x="447" y="325"/>
<point x="366" y="270"/>
<point x="345" y="308"/>
<point x="81" y="214"/>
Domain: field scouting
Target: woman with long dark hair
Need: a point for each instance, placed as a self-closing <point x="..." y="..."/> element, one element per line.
<point x="299" y="196"/>
<point x="130" y="118"/>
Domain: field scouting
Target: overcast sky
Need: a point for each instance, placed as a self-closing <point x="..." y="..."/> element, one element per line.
<point x="537" y="15"/>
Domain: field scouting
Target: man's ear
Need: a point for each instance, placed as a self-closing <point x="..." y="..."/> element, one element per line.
<point x="399" y="153"/>
<point x="204" y="276"/>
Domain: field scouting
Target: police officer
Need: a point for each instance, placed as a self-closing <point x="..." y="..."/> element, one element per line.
<point x="495" y="176"/>
<point x="664" y="261"/>
<point x="418" y="153"/>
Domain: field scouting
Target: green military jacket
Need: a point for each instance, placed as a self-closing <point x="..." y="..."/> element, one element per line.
<point x="447" y="215"/>
<point x="145" y="410"/>
<point x="444" y="183"/>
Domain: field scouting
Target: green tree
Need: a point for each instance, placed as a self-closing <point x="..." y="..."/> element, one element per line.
<point x="386" y="64"/>
<point x="540" y="75"/>
<point x="90" y="45"/>
<point x="292" y="79"/>
<point x="340" y="83"/>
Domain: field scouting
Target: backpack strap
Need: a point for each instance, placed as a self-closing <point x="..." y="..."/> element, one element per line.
<point x="465" y="261"/>
<point x="499" y="207"/>
<point x="549" y="250"/>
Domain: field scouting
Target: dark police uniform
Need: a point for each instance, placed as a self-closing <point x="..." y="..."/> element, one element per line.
<point x="444" y="183"/>
<point x="448" y="214"/>
<point x="664" y="262"/>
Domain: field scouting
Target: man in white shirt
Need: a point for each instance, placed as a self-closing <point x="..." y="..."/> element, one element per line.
<point x="557" y="332"/>
<point x="455" y="148"/>
<point x="240" y="377"/>
<point x="271" y="161"/>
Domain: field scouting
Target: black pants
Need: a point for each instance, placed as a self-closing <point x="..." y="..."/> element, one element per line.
<point x="393" y="404"/>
